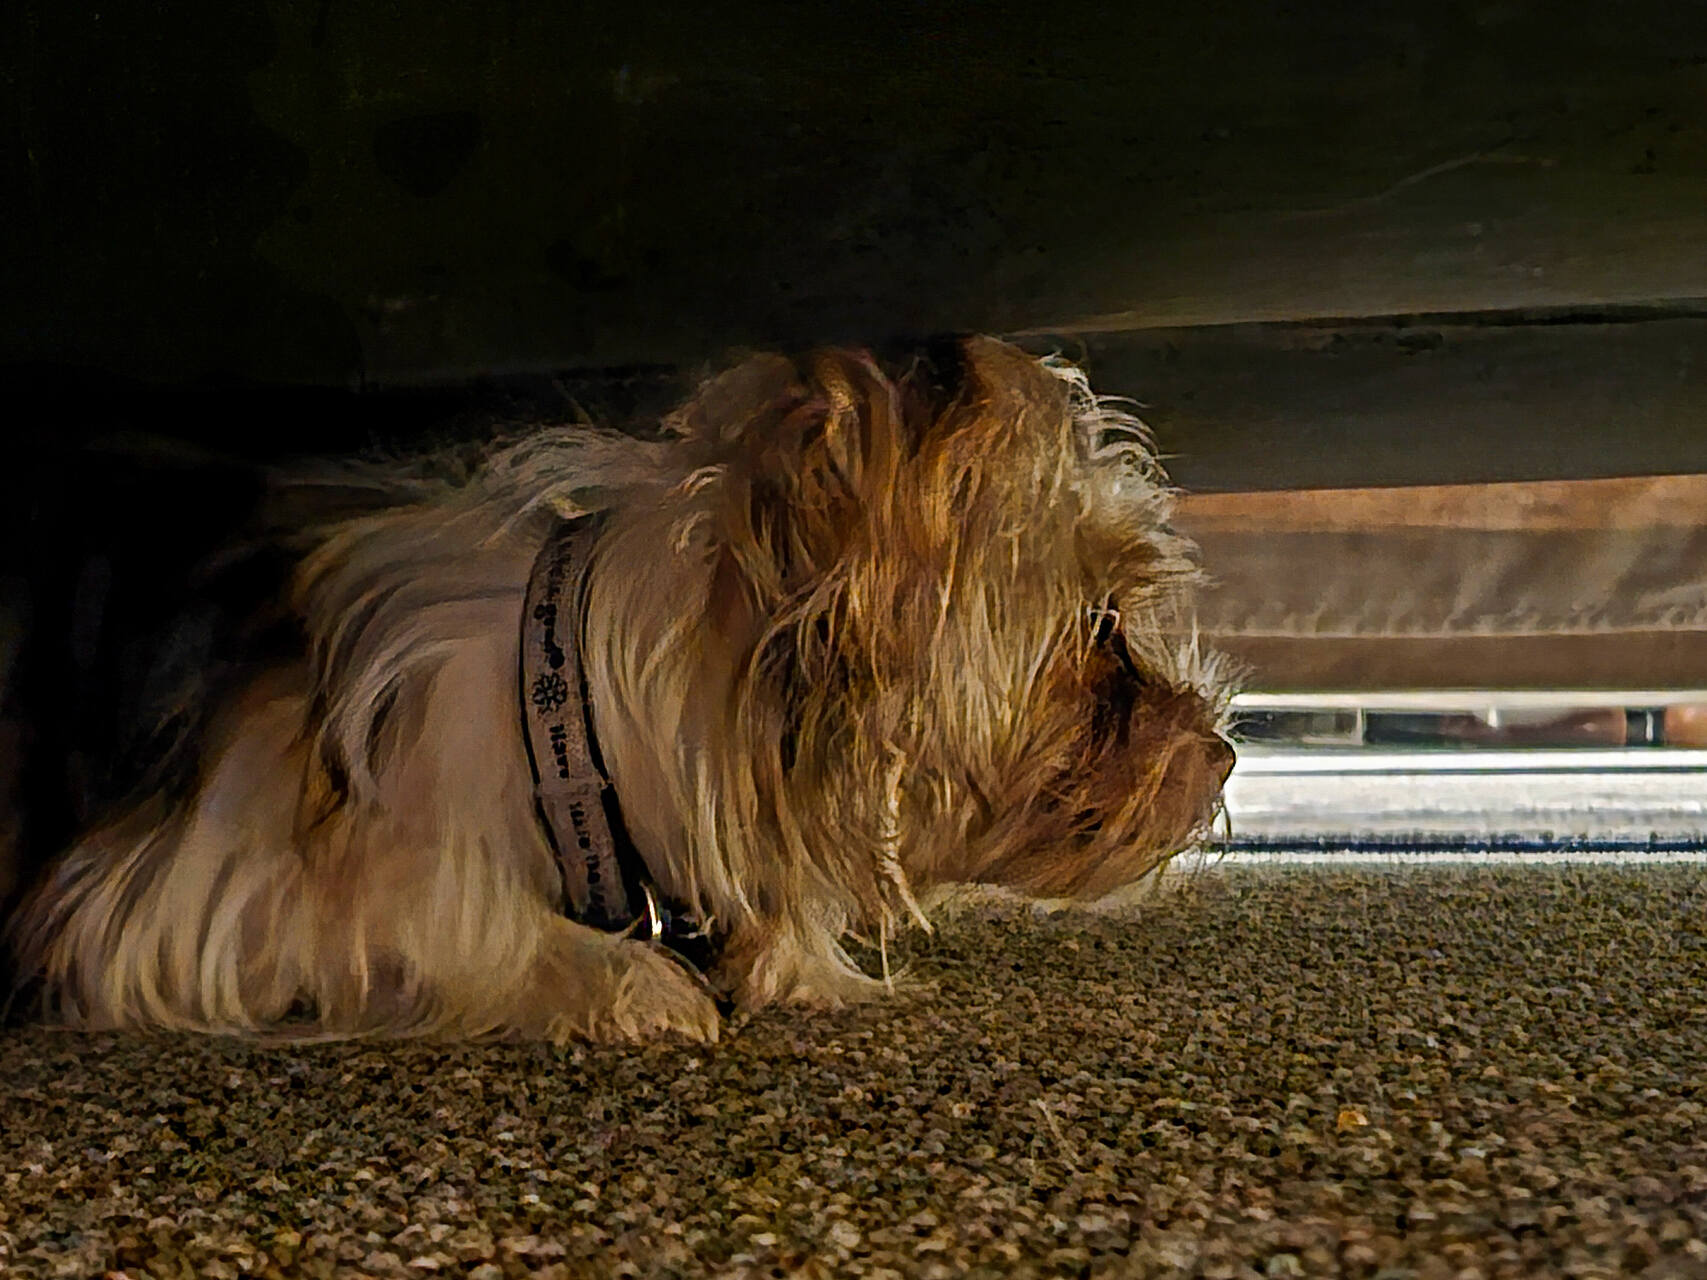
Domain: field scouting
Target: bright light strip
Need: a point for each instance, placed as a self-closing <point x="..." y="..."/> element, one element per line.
<point x="1255" y="761"/>
<point x="1467" y="699"/>
<point x="1364" y="860"/>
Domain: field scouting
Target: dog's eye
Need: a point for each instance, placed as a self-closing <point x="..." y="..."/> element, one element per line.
<point x="1105" y="622"/>
<point x="1117" y="437"/>
<point x="1106" y="633"/>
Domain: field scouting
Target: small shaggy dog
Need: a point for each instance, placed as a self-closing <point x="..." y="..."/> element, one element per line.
<point x="837" y="636"/>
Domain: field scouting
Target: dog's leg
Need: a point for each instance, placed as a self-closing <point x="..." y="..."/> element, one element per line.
<point x="503" y="965"/>
<point x="435" y="885"/>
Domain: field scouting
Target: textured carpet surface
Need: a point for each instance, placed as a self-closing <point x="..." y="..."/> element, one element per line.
<point x="1432" y="1072"/>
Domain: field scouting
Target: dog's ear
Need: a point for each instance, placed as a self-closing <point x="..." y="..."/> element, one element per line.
<point x="811" y="453"/>
<point x="806" y="458"/>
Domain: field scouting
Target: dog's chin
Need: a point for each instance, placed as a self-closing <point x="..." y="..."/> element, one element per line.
<point x="1180" y="809"/>
<point x="1140" y="781"/>
<point x="1102" y="857"/>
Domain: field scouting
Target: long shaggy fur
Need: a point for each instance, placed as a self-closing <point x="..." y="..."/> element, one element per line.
<point x="849" y="635"/>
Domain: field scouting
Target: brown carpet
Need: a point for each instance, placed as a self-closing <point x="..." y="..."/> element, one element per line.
<point x="1433" y="1072"/>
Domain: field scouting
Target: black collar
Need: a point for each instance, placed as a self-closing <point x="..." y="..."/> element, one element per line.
<point x="606" y="883"/>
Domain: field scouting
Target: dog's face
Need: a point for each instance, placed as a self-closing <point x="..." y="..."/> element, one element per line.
<point x="952" y="602"/>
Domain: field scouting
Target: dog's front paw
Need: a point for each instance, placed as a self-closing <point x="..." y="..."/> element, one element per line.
<point x="763" y="970"/>
<point x="652" y="996"/>
<point x="612" y="990"/>
<point x="656" y="996"/>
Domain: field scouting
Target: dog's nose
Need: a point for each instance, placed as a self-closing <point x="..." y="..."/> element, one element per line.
<point x="1221" y="757"/>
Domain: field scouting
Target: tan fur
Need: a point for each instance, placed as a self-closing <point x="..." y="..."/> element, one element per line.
<point x="848" y="639"/>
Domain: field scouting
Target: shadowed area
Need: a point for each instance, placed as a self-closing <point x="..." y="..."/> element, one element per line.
<point x="1352" y="1070"/>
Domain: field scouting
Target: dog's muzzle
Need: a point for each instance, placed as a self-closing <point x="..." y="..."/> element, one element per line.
<point x="1120" y="695"/>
